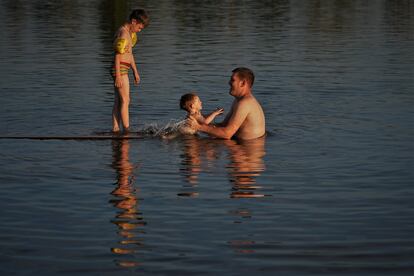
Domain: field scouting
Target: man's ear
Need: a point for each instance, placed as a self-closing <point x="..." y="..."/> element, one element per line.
<point x="243" y="83"/>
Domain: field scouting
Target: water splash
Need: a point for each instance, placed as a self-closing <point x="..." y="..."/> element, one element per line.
<point x="171" y="129"/>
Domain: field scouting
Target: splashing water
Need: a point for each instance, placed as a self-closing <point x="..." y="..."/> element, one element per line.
<point x="170" y="130"/>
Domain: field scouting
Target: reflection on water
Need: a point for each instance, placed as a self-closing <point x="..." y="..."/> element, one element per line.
<point x="243" y="245"/>
<point x="198" y="155"/>
<point x="245" y="163"/>
<point x="128" y="219"/>
<point x="191" y="165"/>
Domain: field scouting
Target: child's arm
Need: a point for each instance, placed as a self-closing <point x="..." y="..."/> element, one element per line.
<point x="135" y="70"/>
<point x="119" y="47"/>
<point x="209" y="118"/>
<point x="118" y="79"/>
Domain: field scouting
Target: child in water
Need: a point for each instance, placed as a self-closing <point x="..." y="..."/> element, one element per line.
<point x="125" y="38"/>
<point x="192" y="104"/>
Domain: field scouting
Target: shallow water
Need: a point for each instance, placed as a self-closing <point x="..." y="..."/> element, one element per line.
<point x="327" y="191"/>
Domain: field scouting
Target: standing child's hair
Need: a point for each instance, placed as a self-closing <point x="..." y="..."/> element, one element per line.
<point x="141" y="16"/>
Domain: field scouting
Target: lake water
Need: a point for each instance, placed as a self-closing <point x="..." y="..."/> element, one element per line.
<point x="329" y="191"/>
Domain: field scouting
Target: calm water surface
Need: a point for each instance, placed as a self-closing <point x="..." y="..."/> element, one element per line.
<point x="328" y="191"/>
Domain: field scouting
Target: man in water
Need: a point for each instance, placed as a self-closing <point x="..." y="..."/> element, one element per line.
<point x="246" y="119"/>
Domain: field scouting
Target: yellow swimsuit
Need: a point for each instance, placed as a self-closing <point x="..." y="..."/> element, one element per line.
<point x="120" y="46"/>
<point x="124" y="68"/>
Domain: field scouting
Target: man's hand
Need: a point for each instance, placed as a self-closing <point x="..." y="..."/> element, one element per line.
<point x="192" y="123"/>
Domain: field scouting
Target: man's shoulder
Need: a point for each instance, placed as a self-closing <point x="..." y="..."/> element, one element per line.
<point x="247" y="101"/>
<point x="242" y="106"/>
<point x="250" y="105"/>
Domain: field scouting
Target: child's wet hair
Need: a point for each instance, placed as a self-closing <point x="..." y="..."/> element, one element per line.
<point x="186" y="100"/>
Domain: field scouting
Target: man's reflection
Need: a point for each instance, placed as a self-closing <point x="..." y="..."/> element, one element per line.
<point x="246" y="163"/>
<point x="244" y="166"/>
<point x="128" y="218"/>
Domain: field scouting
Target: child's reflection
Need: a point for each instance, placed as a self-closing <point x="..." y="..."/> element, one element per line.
<point x="128" y="218"/>
<point x="191" y="159"/>
<point x="198" y="155"/>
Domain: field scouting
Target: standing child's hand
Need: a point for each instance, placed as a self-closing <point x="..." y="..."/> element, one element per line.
<point x="118" y="82"/>
<point x="137" y="79"/>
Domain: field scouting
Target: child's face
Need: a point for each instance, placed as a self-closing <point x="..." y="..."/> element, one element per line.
<point x="197" y="104"/>
<point x="137" y="26"/>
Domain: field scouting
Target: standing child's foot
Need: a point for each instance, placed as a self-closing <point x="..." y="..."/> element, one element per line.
<point x="116" y="132"/>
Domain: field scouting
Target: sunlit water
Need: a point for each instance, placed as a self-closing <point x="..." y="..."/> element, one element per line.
<point x="327" y="191"/>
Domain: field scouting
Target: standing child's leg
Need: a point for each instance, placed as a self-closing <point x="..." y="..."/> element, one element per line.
<point x="116" y="114"/>
<point x="124" y="102"/>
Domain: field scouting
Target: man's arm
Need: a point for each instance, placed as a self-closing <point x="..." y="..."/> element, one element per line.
<point x="236" y="118"/>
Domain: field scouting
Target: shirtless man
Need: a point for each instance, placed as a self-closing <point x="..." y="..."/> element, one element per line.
<point x="246" y="119"/>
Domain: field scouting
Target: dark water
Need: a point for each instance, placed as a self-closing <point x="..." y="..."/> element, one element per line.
<point x="328" y="191"/>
